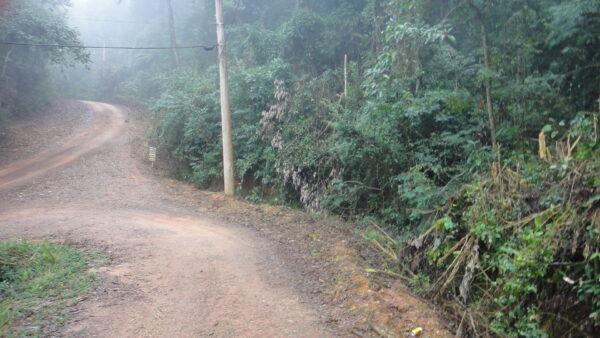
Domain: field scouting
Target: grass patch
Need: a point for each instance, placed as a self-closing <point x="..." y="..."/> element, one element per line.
<point x="38" y="281"/>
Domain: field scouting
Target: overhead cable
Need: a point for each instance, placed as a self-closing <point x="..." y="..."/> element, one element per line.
<point x="9" y="43"/>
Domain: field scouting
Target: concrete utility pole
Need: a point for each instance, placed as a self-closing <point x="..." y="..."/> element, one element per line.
<point x="228" y="173"/>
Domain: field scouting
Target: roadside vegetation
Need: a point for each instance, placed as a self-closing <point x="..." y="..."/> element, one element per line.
<point x="464" y="145"/>
<point x="38" y="281"/>
<point x="26" y="84"/>
<point x="514" y="252"/>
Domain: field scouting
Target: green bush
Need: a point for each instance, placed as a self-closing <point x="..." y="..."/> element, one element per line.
<point x="517" y="250"/>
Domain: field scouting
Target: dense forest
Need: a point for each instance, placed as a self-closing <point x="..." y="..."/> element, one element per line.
<point x="461" y="134"/>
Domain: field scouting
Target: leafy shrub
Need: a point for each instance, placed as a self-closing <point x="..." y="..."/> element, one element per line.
<point x="188" y="116"/>
<point x="518" y="248"/>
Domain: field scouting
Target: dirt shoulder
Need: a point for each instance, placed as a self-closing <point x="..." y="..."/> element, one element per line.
<point x="332" y="260"/>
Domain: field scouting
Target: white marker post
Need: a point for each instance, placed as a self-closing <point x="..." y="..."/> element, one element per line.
<point x="152" y="155"/>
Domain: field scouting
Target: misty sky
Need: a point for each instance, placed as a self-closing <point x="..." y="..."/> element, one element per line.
<point x="107" y="21"/>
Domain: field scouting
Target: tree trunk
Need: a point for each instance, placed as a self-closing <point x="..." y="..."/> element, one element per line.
<point x="5" y="65"/>
<point x="487" y="83"/>
<point x="345" y="75"/>
<point x="488" y="87"/>
<point x="417" y="71"/>
<point x="378" y="12"/>
<point x="174" y="52"/>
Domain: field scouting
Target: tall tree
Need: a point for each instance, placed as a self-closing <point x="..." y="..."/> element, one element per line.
<point x="173" y="33"/>
<point x="25" y="82"/>
<point x="485" y="51"/>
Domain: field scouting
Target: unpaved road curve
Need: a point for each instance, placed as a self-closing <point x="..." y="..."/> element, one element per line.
<point x="109" y="121"/>
<point x="175" y="271"/>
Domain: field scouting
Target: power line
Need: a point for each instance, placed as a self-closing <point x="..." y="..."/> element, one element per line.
<point x="206" y="48"/>
<point x="115" y="21"/>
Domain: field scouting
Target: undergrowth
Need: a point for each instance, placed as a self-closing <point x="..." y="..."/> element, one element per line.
<point x="38" y="280"/>
<point x="515" y="252"/>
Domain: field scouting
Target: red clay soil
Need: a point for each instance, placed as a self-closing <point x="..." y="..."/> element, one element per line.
<point x="185" y="262"/>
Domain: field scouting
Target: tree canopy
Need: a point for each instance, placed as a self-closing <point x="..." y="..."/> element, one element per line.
<point x="24" y="78"/>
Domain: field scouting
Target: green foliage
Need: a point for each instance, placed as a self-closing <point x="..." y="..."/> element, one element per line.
<point x="188" y="113"/>
<point x="37" y="281"/>
<point x="575" y="37"/>
<point x="25" y="83"/>
<point x="535" y="245"/>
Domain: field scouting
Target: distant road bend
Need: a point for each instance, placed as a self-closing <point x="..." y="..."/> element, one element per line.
<point x="108" y="122"/>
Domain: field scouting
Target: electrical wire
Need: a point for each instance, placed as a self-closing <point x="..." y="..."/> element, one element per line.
<point x="113" y="21"/>
<point x="9" y="43"/>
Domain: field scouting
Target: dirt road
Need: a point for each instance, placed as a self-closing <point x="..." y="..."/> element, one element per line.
<point x="174" y="271"/>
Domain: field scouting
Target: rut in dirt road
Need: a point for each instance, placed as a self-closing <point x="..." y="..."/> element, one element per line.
<point x="176" y="272"/>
